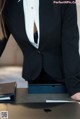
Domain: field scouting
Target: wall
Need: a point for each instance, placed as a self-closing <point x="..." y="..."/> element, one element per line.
<point x="12" y="54"/>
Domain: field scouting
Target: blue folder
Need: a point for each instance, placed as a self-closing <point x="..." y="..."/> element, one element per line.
<point x="46" y="88"/>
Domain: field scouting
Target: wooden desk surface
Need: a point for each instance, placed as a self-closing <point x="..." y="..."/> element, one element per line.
<point x="24" y="111"/>
<point x="22" y="96"/>
<point x="33" y="106"/>
<point x="40" y="111"/>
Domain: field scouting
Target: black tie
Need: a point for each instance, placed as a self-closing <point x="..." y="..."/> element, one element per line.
<point x="36" y="36"/>
<point x="35" y="33"/>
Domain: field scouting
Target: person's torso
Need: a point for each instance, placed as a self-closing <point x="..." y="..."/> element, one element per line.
<point x="50" y="35"/>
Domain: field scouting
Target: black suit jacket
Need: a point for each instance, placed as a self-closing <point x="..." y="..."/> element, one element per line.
<point x="58" y="52"/>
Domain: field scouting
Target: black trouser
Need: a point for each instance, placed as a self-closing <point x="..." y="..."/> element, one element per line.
<point x="44" y="78"/>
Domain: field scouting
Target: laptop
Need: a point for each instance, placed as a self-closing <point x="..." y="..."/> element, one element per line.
<point x="49" y="93"/>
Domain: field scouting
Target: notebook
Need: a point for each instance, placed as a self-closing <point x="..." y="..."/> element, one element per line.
<point x="7" y="91"/>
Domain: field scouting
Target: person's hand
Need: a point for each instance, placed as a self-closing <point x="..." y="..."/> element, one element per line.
<point x="76" y="96"/>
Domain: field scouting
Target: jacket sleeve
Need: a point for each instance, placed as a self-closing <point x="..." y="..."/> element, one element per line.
<point x="70" y="49"/>
<point x="4" y="41"/>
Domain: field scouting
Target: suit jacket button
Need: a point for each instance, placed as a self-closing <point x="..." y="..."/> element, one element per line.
<point x="38" y="52"/>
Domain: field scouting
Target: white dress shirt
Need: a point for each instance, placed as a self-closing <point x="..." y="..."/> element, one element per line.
<point x="31" y="15"/>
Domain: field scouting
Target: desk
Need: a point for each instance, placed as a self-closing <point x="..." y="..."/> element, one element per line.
<point x="24" y="108"/>
<point x="22" y="96"/>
